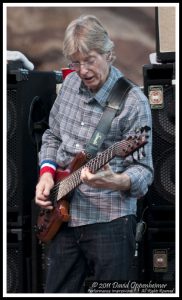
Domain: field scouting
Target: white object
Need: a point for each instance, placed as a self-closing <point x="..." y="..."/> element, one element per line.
<point x="17" y="55"/>
<point x="153" y="59"/>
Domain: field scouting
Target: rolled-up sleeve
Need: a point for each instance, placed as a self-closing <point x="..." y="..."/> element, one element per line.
<point x="51" y="138"/>
<point x="140" y="170"/>
<point x="141" y="178"/>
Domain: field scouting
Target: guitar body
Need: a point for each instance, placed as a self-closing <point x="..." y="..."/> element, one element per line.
<point x="49" y="221"/>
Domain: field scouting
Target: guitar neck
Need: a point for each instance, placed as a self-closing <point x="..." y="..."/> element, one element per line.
<point x="65" y="186"/>
<point x="122" y="148"/>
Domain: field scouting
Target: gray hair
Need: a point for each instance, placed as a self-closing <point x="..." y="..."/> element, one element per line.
<point x="86" y="34"/>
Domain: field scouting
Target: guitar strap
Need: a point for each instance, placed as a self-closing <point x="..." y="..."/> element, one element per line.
<point x="114" y="104"/>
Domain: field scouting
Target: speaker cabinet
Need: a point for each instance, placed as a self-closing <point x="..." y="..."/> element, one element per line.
<point x="26" y="90"/>
<point x="30" y="96"/>
<point x="159" y="250"/>
<point x="165" y="33"/>
<point x="161" y="94"/>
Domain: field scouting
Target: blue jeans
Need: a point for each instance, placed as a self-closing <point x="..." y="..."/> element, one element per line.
<point x="108" y="248"/>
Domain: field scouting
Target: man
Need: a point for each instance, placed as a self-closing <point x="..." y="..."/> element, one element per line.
<point x="101" y="231"/>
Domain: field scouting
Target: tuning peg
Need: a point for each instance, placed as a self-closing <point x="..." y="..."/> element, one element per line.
<point x="145" y="128"/>
<point x="137" y="130"/>
<point x="143" y="152"/>
<point x="138" y="154"/>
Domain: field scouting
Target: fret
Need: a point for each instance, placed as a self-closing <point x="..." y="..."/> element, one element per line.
<point x="48" y="224"/>
<point x="122" y="148"/>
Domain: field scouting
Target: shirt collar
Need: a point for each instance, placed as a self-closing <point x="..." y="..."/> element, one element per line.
<point x="103" y="93"/>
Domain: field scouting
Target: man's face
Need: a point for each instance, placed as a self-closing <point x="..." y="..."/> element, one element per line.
<point x="92" y="68"/>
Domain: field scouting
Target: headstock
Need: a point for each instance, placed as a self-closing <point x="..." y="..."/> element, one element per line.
<point x="132" y="143"/>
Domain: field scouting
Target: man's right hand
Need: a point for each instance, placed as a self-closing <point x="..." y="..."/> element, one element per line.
<point x="43" y="188"/>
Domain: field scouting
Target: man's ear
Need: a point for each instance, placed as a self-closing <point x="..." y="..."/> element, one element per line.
<point x="109" y="56"/>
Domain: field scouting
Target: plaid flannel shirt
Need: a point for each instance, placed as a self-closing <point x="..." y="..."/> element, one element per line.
<point x="73" y="119"/>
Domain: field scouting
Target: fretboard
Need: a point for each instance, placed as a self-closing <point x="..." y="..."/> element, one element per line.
<point x="65" y="186"/>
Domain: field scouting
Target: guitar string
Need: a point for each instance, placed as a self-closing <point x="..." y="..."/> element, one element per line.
<point x="69" y="182"/>
<point x="89" y="164"/>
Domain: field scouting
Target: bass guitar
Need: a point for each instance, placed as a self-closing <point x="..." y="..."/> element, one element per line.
<point x="49" y="221"/>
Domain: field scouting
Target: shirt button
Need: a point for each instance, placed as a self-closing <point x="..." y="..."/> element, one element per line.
<point x="82" y="123"/>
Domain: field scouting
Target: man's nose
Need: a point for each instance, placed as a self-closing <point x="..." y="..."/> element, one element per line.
<point x="83" y="68"/>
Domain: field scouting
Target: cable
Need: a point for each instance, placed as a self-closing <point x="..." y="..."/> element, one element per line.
<point x="140" y="230"/>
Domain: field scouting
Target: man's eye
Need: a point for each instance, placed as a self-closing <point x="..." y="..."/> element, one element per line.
<point x="90" y="61"/>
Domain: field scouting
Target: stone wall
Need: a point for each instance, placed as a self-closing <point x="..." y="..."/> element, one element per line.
<point x="38" y="33"/>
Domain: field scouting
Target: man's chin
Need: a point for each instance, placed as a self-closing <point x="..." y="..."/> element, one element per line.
<point x="91" y="86"/>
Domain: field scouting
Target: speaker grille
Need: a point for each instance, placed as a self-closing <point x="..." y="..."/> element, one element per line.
<point x="11" y="113"/>
<point x="162" y="191"/>
<point x="164" y="179"/>
<point x="12" y="184"/>
<point x="15" y="261"/>
<point x="14" y="269"/>
<point x="23" y="87"/>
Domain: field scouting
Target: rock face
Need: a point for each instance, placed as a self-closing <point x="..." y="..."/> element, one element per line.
<point x="38" y="33"/>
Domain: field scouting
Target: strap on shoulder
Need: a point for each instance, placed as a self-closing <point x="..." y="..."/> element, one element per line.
<point x="114" y="102"/>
